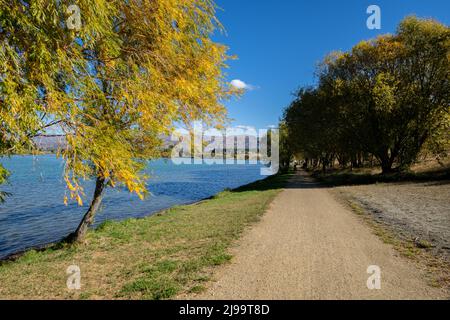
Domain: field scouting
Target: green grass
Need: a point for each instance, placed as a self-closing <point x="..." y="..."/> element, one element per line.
<point x="157" y="257"/>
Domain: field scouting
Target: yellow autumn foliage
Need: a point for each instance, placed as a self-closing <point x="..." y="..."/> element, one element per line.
<point x="133" y="69"/>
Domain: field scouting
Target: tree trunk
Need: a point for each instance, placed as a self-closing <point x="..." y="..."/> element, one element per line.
<point x="88" y="219"/>
<point x="324" y="164"/>
<point x="386" y="166"/>
<point x="354" y="161"/>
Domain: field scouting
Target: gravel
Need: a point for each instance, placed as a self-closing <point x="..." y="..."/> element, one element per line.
<point x="415" y="211"/>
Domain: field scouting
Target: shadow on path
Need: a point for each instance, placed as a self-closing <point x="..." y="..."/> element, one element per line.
<point x="293" y="180"/>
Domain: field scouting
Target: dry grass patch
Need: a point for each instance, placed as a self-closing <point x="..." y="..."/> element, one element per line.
<point x="437" y="268"/>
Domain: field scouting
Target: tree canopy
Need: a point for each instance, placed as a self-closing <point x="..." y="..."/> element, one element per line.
<point x="112" y="86"/>
<point x="387" y="98"/>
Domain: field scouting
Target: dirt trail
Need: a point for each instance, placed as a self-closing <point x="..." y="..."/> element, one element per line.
<point x="309" y="246"/>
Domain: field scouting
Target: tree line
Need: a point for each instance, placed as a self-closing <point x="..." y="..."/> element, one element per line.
<point x="383" y="102"/>
<point x="112" y="87"/>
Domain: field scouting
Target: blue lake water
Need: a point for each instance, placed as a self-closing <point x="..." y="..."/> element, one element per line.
<point x="35" y="214"/>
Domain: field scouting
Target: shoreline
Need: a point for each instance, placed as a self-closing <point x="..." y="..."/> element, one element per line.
<point x="40" y="248"/>
<point x="155" y="257"/>
<point x="33" y="222"/>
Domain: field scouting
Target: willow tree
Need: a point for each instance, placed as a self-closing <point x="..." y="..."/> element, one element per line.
<point x="3" y="176"/>
<point x="394" y="90"/>
<point x="20" y="120"/>
<point x="388" y="97"/>
<point x="117" y="82"/>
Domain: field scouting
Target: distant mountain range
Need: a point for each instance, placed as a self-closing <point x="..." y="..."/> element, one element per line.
<point x="53" y="143"/>
<point x="50" y="143"/>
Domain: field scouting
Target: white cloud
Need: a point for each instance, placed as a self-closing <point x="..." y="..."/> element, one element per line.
<point x="242" y="130"/>
<point x="239" y="84"/>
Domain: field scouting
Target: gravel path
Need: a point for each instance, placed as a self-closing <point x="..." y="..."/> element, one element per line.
<point x="412" y="210"/>
<point x="308" y="246"/>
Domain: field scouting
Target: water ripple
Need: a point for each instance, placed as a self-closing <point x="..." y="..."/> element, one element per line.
<point x="35" y="214"/>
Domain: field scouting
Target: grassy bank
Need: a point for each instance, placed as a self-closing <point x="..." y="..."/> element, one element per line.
<point x="152" y="258"/>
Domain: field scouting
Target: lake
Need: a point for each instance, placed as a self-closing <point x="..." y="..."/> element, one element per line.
<point x="35" y="214"/>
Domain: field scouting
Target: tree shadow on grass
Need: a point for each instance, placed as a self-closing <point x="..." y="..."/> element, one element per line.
<point x="291" y="180"/>
<point x="275" y="182"/>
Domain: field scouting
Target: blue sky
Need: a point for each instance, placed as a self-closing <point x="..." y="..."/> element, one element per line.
<point x="279" y="43"/>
